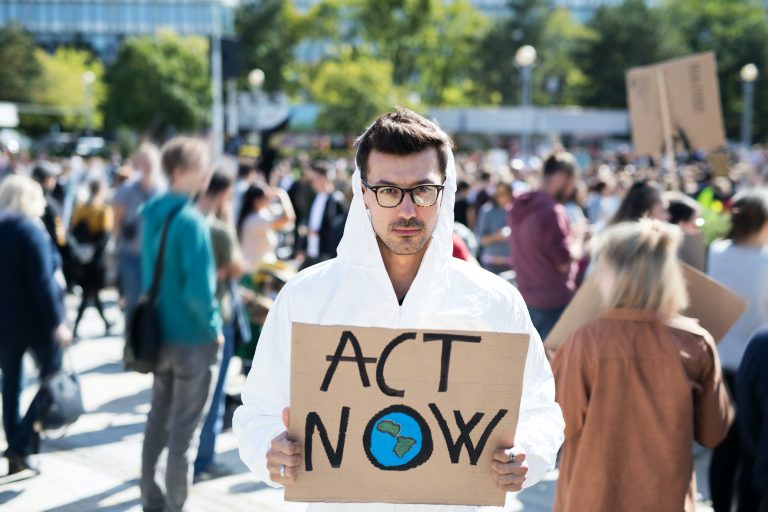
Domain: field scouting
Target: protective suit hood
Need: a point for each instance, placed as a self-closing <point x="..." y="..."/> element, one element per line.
<point x="358" y="246"/>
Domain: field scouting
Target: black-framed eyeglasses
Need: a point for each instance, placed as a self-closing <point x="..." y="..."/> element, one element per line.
<point x="390" y="196"/>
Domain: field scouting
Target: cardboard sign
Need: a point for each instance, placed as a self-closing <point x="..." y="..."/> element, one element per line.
<point x="719" y="162"/>
<point x="715" y="306"/>
<point x="693" y="251"/>
<point x="684" y="92"/>
<point x="402" y="416"/>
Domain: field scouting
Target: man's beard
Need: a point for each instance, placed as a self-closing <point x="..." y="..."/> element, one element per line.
<point x="563" y="195"/>
<point x="406" y="246"/>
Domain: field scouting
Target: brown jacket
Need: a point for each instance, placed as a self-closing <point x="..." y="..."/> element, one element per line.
<point x="636" y="390"/>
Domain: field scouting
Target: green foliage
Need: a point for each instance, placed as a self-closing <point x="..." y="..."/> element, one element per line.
<point x="737" y="30"/>
<point x="626" y="35"/>
<point x="160" y="83"/>
<point x="269" y="31"/>
<point x="446" y="52"/>
<point x="352" y="93"/>
<point x="494" y="68"/>
<point x="19" y="70"/>
<point x="62" y="86"/>
<point x="558" y="79"/>
<point x="717" y="221"/>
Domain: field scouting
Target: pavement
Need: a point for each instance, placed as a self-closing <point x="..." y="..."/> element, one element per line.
<point x="95" y="464"/>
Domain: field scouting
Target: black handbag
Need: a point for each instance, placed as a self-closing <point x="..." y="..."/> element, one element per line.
<point x="59" y="401"/>
<point x="143" y="335"/>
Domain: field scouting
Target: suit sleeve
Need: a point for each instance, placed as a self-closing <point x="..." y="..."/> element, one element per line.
<point x="540" y="423"/>
<point x="267" y="391"/>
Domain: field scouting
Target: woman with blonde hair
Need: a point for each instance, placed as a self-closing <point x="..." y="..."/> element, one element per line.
<point x="31" y="309"/>
<point x="638" y="384"/>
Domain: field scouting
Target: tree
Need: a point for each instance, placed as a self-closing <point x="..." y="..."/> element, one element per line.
<point x="19" y="69"/>
<point x="161" y="83"/>
<point x="737" y="30"/>
<point x="446" y="51"/>
<point x="494" y="61"/>
<point x="62" y="85"/>
<point x="558" y="80"/>
<point x="626" y="35"/>
<point x="269" y="31"/>
<point x="352" y="93"/>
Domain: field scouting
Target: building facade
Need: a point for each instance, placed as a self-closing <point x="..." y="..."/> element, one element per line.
<point x="102" y="24"/>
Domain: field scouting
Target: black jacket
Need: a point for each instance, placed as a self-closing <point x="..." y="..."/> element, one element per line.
<point x="752" y="404"/>
<point x="332" y="227"/>
<point x="30" y="298"/>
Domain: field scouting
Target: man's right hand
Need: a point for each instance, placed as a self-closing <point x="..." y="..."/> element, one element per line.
<point x="284" y="453"/>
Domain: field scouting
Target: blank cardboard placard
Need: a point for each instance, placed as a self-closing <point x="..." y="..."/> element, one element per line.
<point x="693" y="250"/>
<point x="379" y="413"/>
<point x="714" y="305"/>
<point x="693" y="104"/>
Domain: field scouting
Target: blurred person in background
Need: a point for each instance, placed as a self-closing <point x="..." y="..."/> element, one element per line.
<point x="326" y="216"/>
<point x="215" y="204"/>
<point x="46" y="174"/>
<point x="741" y="263"/>
<point x="643" y="199"/>
<point x="301" y="194"/>
<point x="492" y="230"/>
<point x="603" y="202"/>
<point x="462" y="205"/>
<point x="90" y="230"/>
<point x="257" y="225"/>
<point x="752" y="403"/>
<point x="190" y="324"/>
<point x="31" y="310"/>
<point x="685" y="212"/>
<point x="129" y="198"/>
<point x="544" y="253"/>
<point x="638" y="376"/>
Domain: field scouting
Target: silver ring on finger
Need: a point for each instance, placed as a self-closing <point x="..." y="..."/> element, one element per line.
<point x="282" y="470"/>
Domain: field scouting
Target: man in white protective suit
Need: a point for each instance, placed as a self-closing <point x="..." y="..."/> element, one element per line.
<point x="395" y="270"/>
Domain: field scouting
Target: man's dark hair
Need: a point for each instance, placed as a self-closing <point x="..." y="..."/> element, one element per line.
<point x="749" y="214"/>
<point x="558" y="162"/>
<point x="219" y="183"/>
<point x="402" y="132"/>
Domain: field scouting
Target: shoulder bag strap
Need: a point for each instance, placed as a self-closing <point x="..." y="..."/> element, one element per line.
<point x="153" y="290"/>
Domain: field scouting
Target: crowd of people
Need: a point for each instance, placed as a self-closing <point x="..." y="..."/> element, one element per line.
<point x="637" y="385"/>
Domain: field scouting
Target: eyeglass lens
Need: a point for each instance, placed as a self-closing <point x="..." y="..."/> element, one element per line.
<point x="389" y="197"/>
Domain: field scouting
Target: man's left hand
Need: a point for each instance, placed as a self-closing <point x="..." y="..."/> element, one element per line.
<point x="509" y="469"/>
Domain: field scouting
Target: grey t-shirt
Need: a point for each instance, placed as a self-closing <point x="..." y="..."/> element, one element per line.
<point x="130" y="196"/>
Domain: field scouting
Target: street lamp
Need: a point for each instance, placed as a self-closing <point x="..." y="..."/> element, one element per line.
<point x="525" y="59"/>
<point x="256" y="80"/>
<point x="748" y="75"/>
<point x="88" y="79"/>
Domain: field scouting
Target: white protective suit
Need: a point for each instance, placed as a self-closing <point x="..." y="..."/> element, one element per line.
<point x="354" y="289"/>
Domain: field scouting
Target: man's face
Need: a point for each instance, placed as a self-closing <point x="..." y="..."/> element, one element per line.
<point x="564" y="187"/>
<point x="406" y="228"/>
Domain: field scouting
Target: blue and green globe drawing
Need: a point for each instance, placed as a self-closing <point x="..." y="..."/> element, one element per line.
<point x="397" y="439"/>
